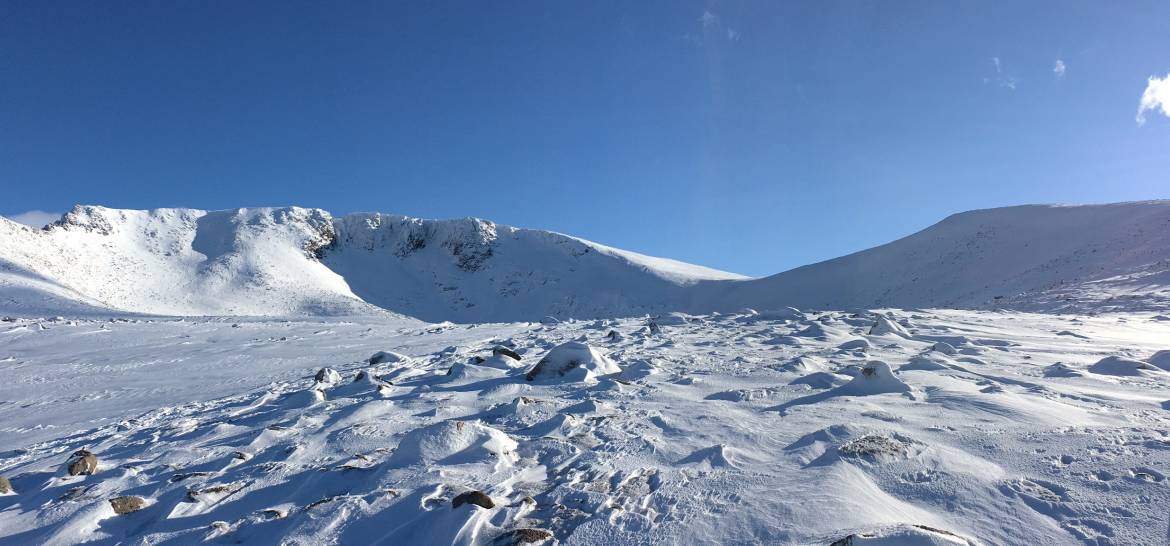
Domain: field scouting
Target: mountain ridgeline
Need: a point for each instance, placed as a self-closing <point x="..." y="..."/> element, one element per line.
<point x="295" y="262"/>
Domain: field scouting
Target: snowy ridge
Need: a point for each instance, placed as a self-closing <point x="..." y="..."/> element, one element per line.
<point x="297" y="262"/>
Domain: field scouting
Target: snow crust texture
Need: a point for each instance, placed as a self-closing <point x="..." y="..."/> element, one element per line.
<point x="942" y="428"/>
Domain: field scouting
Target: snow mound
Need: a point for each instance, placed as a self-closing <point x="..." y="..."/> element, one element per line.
<point x="1160" y="360"/>
<point x="454" y="442"/>
<point x="875" y="378"/>
<point x="572" y="361"/>
<point x="1116" y="365"/>
<point x="905" y="535"/>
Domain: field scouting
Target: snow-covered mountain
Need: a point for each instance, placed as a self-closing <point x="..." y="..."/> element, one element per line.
<point x="294" y="261"/>
<point x="1032" y="257"/>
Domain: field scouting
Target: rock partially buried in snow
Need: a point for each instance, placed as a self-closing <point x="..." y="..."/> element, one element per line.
<point x="504" y="351"/>
<point x="327" y="375"/>
<point x="905" y="535"/>
<point x="572" y="361"/>
<point x="478" y="498"/>
<point x="875" y="378"/>
<point x="5" y="486"/>
<point x="82" y="462"/>
<point x="127" y="504"/>
<point x="886" y="326"/>
<point x="944" y="348"/>
<point x="519" y="537"/>
<point x="385" y="357"/>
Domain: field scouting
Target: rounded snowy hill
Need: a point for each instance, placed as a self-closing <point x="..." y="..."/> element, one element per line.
<point x="1032" y="257"/>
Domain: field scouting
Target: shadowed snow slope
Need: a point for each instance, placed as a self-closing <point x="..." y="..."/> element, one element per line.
<point x="293" y="261"/>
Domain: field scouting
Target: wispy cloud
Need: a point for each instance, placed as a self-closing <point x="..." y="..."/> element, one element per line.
<point x="1001" y="79"/>
<point x="1155" y="98"/>
<point x="1059" y="68"/>
<point x="35" y="218"/>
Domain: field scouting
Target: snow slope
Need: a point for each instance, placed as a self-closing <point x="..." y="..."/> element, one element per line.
<point x="1035" y="257"/>
<point x="979" y="428"/>
<point x="293" y="261"/>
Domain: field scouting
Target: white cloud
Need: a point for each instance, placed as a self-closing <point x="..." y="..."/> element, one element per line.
<point x="1156" y="97"/>
<point x="35" y="218"/>
<point x="998" y="68"/>
<point x="1059" y="69"/>
<point x="1001" y="79"/>
<point x="709" y="19"/>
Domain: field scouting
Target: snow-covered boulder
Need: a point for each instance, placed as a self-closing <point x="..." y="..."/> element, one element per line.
<point x="887" y="326"/>
<point x="385" y="357"/>
<point x="328" y="376"/>
<point x="572" y="361"/>
<point x="454" y="442"/>
<point x="904" y="535"/>
<point x="875" y="378"/>
<point x="1117" y="365"/>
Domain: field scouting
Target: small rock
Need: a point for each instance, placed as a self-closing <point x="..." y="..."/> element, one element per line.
<point x="5" y="486"/>
<point x="516" y="537"/>
<point x="478" y="498"/>
<point x="82" y="462"/>
<point x="126" y="504"/>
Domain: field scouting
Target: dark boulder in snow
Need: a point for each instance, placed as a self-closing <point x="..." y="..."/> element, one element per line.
<point x="127" y="503"/>
<point x="504" y="351"/>
<point x="478" y="498"/>
<point x="572" y="361"/>
<point x="82" y="462"/>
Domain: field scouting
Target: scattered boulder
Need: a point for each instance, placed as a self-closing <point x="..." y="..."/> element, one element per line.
<point x="478" y="498"/>
<point x="127" y="503"/>
<point x="504" y="351"/>
<point x="327" y="375"/>
<point x="654" y="328"/>
<point x="614" y="336"/>
<point x="572" y="361"/>
<point x="876" y="447"/>
<point x="82" y="462"/>
<point x="5" y="486"/>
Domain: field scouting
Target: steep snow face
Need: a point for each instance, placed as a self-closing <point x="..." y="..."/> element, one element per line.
<point x="1035" y="257"/>
<point x="472" y="270"/>
<point x="178" y="262"/>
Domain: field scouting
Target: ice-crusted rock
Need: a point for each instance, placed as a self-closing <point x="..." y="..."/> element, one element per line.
<point x="572" y="361"/>
<point x="82" y="462"/>
<point x="454" y="442"/>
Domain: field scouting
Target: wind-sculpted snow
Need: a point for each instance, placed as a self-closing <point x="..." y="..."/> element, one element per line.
<point x="815" y="428"/>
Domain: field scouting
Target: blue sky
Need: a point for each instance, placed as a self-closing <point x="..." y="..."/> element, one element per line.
<point x="748" y="136"/>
